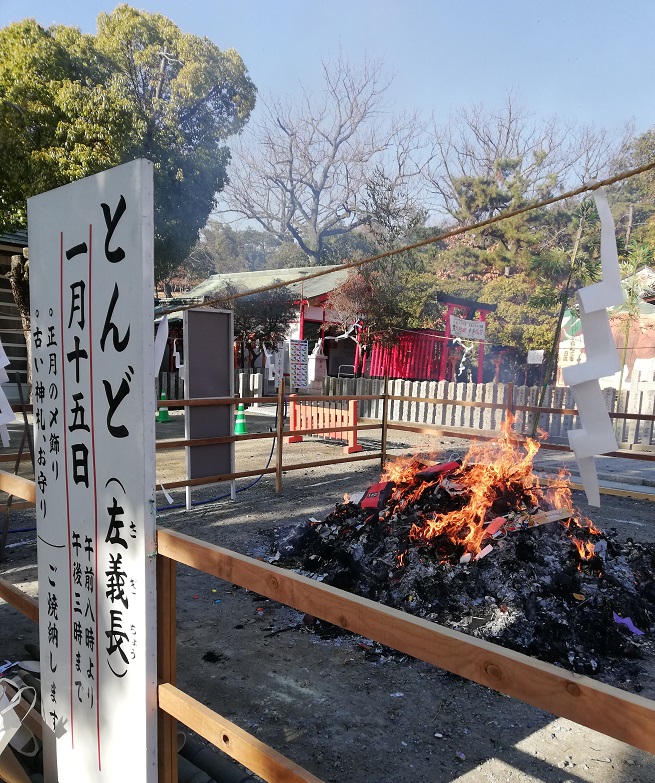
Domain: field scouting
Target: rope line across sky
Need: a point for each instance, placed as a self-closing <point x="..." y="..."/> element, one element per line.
<point x="586" y="188"/>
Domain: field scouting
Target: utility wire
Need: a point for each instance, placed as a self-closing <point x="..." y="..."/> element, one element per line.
<point x="424" y="242"/>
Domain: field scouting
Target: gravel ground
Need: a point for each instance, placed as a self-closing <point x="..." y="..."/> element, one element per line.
<point x="340" y="707"/>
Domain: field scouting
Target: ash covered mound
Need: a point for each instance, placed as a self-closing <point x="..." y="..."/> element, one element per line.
<point x="482" y="547"/>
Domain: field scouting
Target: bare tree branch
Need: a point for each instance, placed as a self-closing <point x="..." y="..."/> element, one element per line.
<point x="302" y="172"/>
<point x="512" y="152"/>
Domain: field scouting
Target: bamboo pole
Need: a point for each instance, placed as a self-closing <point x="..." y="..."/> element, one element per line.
<point x="211" y="401"/>
<point x="165" y="445"/>
<point x="199" y="482"/>
<point x="264" y="471"/>
<point x="527" y="408"/>
<point x="454" y="432"/>
<point x="334" y="461"/>
<point x="439" y="401"/>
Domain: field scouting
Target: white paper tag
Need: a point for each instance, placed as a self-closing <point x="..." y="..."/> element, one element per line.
<point x="169" y="499"/>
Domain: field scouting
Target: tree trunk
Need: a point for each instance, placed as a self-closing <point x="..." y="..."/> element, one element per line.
<point x="19" y="279"/>
<point x="628" y="229"/>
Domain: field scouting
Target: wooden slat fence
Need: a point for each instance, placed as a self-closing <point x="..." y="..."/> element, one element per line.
<point x="480" y="407"/>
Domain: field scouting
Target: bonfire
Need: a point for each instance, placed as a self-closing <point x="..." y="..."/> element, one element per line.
<point x="483" y="545"/>
<point x="494" y="491"/>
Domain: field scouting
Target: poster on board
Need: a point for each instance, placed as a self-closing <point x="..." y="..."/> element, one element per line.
<point x="92" y="334"/>
<point x="298" y="356"/>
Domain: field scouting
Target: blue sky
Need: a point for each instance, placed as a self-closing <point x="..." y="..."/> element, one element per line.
<point x="589" y="61"/>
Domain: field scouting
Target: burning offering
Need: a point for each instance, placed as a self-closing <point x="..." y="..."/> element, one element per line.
<point x="484" y="546"/>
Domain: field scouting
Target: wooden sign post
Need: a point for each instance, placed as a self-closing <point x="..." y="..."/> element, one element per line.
<point x="91" y="291"/>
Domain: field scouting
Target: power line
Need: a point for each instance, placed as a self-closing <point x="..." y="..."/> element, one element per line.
<point x="424" y="242"/>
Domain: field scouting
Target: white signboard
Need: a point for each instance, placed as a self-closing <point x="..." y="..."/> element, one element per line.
<point x="91" y="291"/>
<point x="298" y="355"/>
<point x="278" y="364"/>
<point x="468" y="330"/>
<point x="536" y="356"/>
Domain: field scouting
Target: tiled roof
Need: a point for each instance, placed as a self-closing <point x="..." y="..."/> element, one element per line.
<point x="15" y="239"/>
<point x="247" y="281"/>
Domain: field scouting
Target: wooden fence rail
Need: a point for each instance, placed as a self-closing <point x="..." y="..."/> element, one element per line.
<point x="434" y="403"/>
<point x="624" y="716"/>
<point x="616" y="713"/>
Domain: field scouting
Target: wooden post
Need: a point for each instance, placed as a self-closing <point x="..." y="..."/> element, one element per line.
<point x="166" y="665"/>
<point x="279" y="431"/>
<point x="483" y="318"/>
<point x="385" y="411"/>
<point x="450" y="309"/>
<point x="352" y="446"/>
<point x="509" y="401"/>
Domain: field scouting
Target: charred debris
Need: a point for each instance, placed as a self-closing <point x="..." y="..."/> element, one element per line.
<point x="481" y="546"/>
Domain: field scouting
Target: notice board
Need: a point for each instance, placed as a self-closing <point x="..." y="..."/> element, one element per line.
<point x="209" y="372"/>
<point x="91" y="292"/>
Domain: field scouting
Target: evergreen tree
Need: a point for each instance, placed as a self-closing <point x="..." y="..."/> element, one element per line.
<point x="73" y="104"/>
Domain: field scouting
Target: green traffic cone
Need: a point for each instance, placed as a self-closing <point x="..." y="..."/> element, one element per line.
<point x="162" y="414"/>
<point x="240" y="423"/>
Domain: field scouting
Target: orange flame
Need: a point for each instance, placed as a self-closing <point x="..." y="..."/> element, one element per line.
<point x="586" y="549"/>
<point x="495" y="476"/>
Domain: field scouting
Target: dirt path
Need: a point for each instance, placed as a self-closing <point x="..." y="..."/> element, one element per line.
<point x="342" y="707"/>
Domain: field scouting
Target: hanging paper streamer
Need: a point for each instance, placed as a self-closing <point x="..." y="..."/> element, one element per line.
<point x="181" y="368"/>
<point x="167" y="495"/>
<point x="596" y="435"/>
<point x="466" y="351"/>
<point x="161" y="337"/>
<point x="6" y="413"/>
